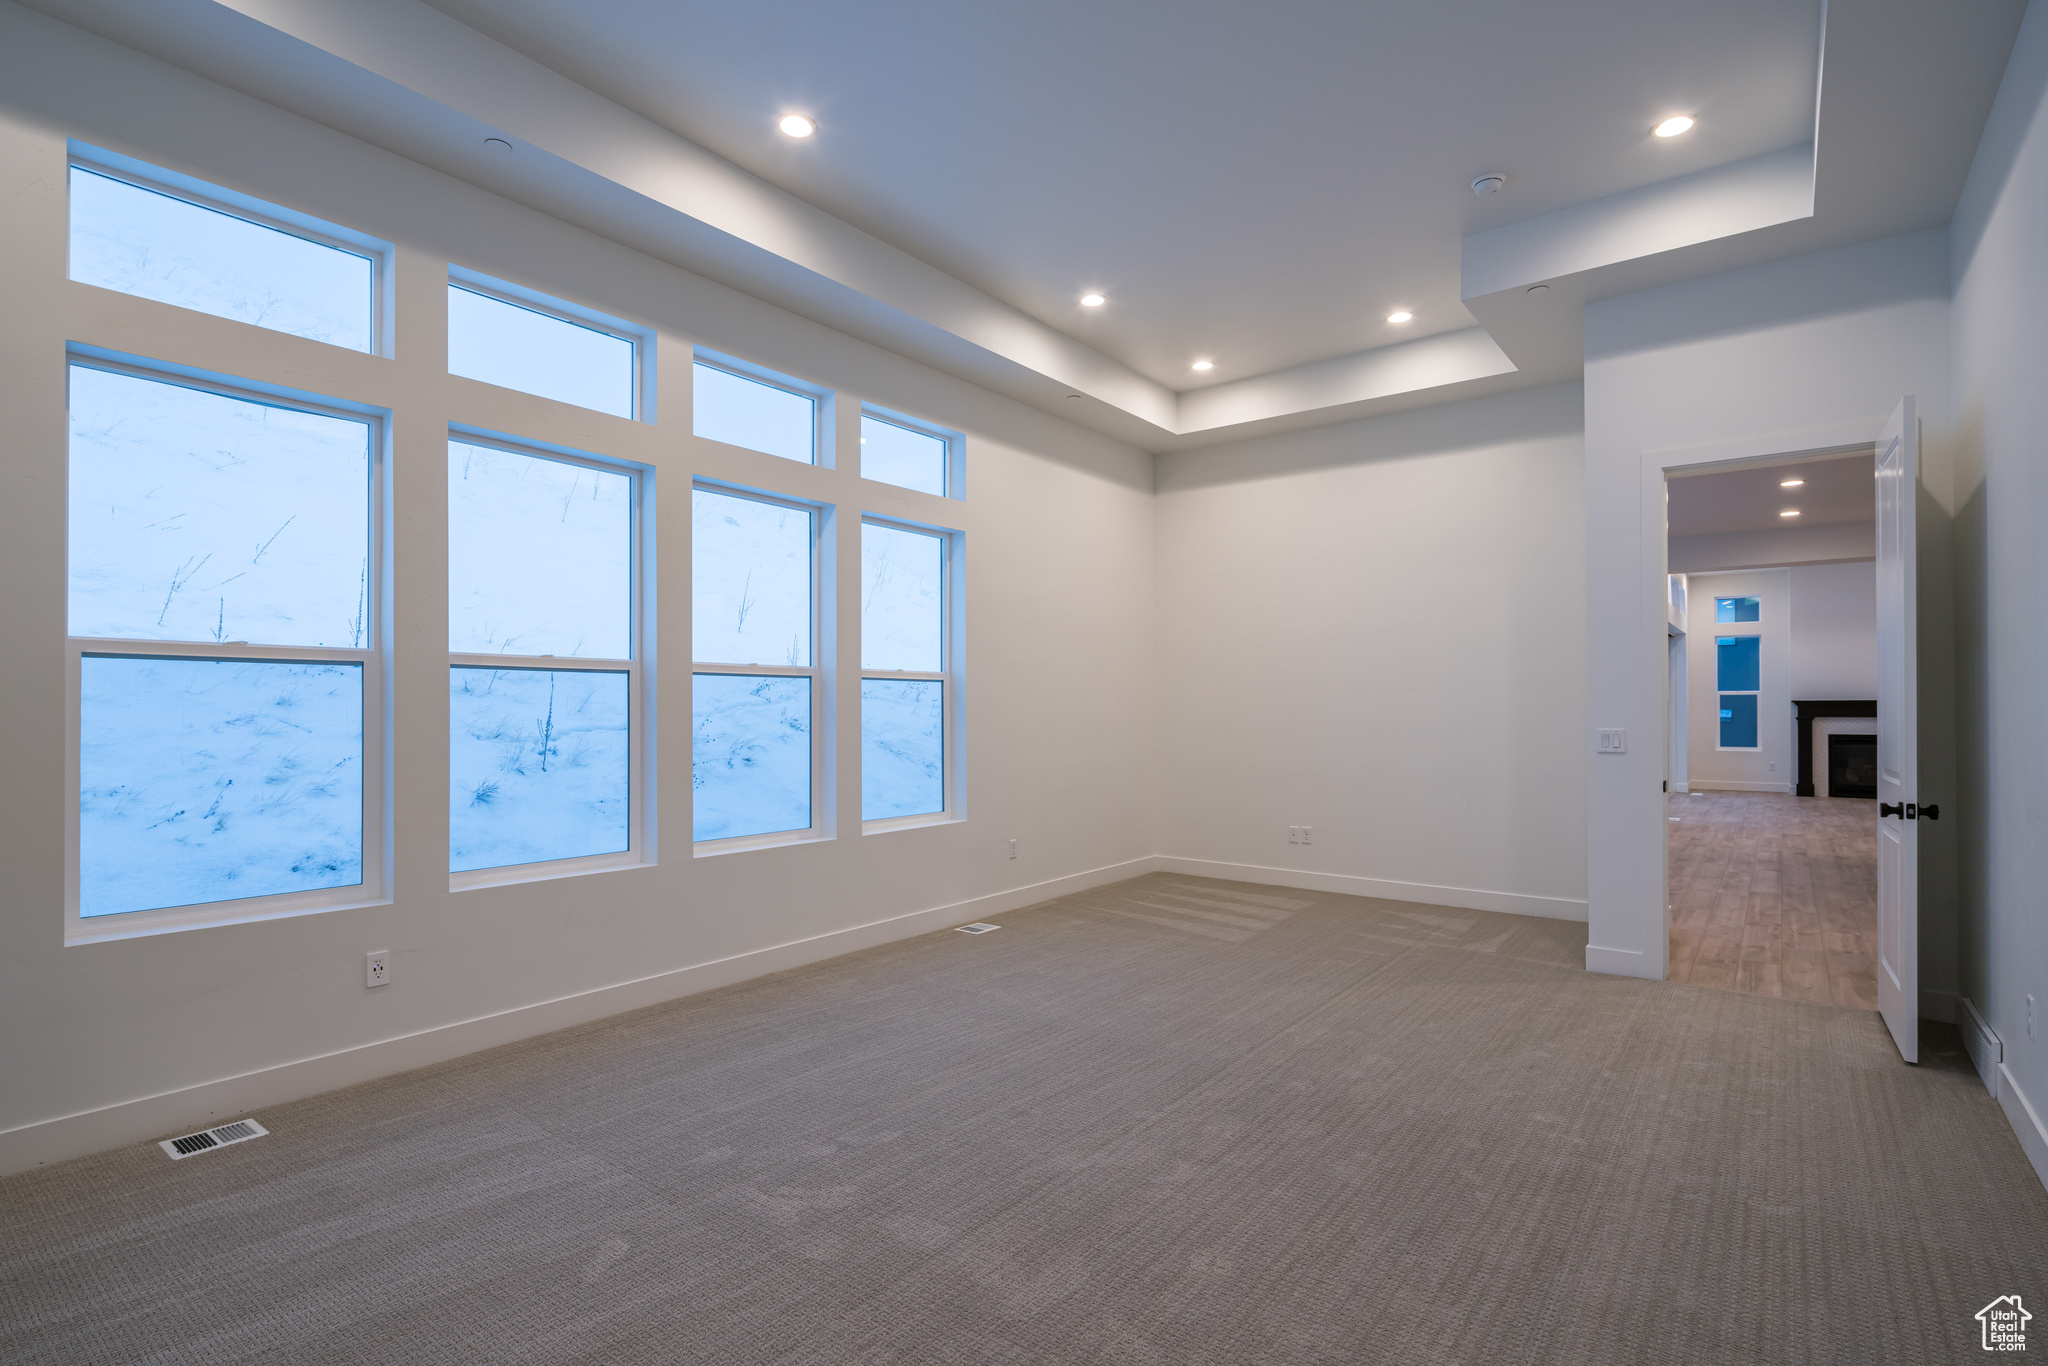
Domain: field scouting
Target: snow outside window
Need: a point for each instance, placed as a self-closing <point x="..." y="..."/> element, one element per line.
<point x="543" y="681"/>
<point x="906" y="673"/>
<point x="755" y="758"/>
<point x="904" y="456"/>
<point x="223" y="604"/>
<point x="519" y="346"/>
<point x="158" y="245"/>
<point x="741" y="411"/>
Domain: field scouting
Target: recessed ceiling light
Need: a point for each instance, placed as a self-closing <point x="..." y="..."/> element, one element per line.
<point x="1790" y="483"/>
<point x="1205" y="365"/>
<point x="1673" y="126"/>
<point x="797" y="126"/>
<point x="1091" y="301"/>
<point x="1399" y="315"/>
<point x="1789" y="512"/>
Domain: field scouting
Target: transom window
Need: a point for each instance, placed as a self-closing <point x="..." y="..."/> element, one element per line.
<point x="539" y="348"/>
<point x="155" y="243"/>
<point x="743" y="410"/>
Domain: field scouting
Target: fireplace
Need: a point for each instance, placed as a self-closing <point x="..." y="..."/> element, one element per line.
<point x="1852" y="765"/>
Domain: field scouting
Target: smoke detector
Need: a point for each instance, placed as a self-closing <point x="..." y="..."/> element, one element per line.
<point x="1488" y="183"/>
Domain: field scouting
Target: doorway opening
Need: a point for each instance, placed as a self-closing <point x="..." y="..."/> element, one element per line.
<point x="1771" y="847"/>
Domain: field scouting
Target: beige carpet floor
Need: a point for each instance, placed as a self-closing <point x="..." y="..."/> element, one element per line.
<point x="1173" y="1121"/>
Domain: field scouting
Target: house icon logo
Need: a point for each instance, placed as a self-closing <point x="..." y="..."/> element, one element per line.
<point x="2005" y="1324"/>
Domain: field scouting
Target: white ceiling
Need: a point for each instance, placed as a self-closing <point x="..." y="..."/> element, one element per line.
<point x="1842" y="489"/>
<point x="1256" y="183"/>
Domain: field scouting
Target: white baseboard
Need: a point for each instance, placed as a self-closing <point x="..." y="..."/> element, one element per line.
<point x="1703" y="785"/>
<point x="1987" y="1050"/>
<point x="1465" y="898"/>
<point x="1618" y="962"/>
<point x="2025" y="1121"/>
<point x="1938" y="1005"/>
<point x="193" y="1107"/>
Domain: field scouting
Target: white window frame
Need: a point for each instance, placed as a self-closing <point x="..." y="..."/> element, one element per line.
<point x="818" y="672"/>
<point x="952" y="544"/>
<point x="641" y="339"/>
<point x="956" y="451"/>
<point x="374" y="659"/>
<point x="823" y="405"/>
<point x="640" y="831"/>
<point x="1757" y="692"/>
<point x="249" y="209"/>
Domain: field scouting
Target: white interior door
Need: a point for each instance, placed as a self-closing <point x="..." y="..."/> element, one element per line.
<point x="1898" y="758"/>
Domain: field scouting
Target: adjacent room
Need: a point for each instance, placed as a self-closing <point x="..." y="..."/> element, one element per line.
<point x="1772" y="635"/>
<point x="1112" y="683"/>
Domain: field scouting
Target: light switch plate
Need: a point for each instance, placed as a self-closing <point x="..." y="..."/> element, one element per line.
<point x="1613" y="740"/>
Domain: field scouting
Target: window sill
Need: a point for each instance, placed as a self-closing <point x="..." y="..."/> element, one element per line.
<point x="909" y="822"/>
<point x="140" y="924"/>
<point x="478" y="878"/>
<point x="741" y="844"/>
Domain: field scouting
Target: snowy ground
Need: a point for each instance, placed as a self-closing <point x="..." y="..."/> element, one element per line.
<point x="902" y="599"/>
<point x="751" y="755"/>
<point x="540" y="556"/>
<point x="750" y="581"/>
<point x="902" y="748"/>
<point x="212" y="780"/>
<point x="538" y="766"/>
<point x="200" y="517"/>
<point x="159" y="247"/>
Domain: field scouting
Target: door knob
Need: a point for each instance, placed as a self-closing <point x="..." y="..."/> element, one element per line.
<point x="1930" y="813"/>
<point x="1891" y="809"/>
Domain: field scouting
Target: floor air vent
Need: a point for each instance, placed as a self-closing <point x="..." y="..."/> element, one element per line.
<point x="978" y="927"/>
<point x="238" y="1132"/>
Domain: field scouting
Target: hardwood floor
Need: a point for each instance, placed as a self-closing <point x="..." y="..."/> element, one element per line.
<point x="1775" y="895"/>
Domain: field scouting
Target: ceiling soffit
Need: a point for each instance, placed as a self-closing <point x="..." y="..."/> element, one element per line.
<point x="1905" y="86"/>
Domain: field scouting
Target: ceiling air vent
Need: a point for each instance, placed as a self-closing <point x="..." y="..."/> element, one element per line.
<point x="220" y="1137"/>
<point x="978" y="927"/>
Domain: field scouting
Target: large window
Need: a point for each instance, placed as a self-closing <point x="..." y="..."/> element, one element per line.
<point x="1738" y="679"/>
<point x="756" y="757"/>
<point x="544" y="684"/>
<point x="224" y="590"/>
<point x="906" y="670"/>
<point x="150" y="241"/>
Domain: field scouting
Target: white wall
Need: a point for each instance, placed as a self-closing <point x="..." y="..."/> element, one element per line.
<point x="1060" y="716"/>
<point x="1377" y="630"/>
<point x="2001" y="406"/>
<point x="1751" y="359"/>
<point x="1834" y="631"/>
<point x="1771" y="766"/>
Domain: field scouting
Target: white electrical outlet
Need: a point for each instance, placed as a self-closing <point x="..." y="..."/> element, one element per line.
<point x="2030" y="1016"/>
<point x="1294" y="834"/>
<point x="377" y="968"/>
<point x="1013" y="848"/>
<point x="1306" y="831"/>
<point x="1774" y="768"/>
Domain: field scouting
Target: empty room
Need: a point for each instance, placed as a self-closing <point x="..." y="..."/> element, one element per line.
<point x="1123" y="683"/>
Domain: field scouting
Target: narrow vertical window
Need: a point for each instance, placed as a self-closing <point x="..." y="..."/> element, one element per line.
<point x="1738" y="678"/>
<point x="223" y="618"/>
<point x="906" y="670"/>
<point x="753" y="611"/>
<point x="156" y="244"/>
<point x="543" y="682"/>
